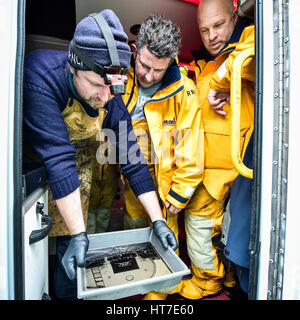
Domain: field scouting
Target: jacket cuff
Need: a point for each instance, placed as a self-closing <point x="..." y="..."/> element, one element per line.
<point x="218" y="84"/>
<point x="143" y="186"/>
<point x="176" y="199"/>
<point x="62" y="187"/>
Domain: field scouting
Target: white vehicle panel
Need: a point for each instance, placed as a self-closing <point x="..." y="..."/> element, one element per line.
<point x="291" y="279"/>
<point x="8" y="36"/>
<point x="35" y="254"/>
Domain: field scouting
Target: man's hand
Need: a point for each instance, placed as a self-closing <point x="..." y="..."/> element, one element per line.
<point x="217" y="100"/>
<point x="165" y="234"/>
<point x="75" y="254"/>
<point x="172" y="208"/>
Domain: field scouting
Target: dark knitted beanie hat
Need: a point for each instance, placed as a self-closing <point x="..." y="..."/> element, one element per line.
<point x="90" y="40"/>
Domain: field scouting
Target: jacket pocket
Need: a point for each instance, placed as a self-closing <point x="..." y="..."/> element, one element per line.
<point x="218" y="144"/>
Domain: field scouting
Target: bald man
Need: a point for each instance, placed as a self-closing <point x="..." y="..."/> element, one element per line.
<point x="223" y="36"/>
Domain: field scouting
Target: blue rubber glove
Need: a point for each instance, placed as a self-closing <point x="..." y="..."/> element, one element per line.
<point x="165" y="234"/>
<point x="75" y="254"/>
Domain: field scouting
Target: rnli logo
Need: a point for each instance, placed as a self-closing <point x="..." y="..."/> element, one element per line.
<point x="169" y="122"/>
<point x="190" y="92"/>
<point x="74" y="59"/>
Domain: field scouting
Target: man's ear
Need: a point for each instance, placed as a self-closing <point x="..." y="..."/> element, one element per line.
<point x="133" y="47"/>
<point x="72" y="69"/>
<point x="235" y="16"/>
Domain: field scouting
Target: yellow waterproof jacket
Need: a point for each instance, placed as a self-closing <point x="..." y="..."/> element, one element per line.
<point x="219" y="172"/>
<point x="175" y="125"/>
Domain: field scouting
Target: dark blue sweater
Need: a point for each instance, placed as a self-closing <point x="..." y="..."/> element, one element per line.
<point x="46" y="94"/>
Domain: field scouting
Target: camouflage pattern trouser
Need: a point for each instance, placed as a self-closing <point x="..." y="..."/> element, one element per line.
<point x="85" y="155"/>
<point x="103" y="193"/>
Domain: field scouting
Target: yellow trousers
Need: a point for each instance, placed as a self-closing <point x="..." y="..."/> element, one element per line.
<point x="203" y="220"/>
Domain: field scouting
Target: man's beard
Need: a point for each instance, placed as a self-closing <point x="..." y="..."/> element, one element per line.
<point x="96" y="104"/>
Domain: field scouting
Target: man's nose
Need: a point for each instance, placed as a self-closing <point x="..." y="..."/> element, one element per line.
<point x="104" y="93"/>
<point x="149" y="75"/>
<point x="212" y="34"/>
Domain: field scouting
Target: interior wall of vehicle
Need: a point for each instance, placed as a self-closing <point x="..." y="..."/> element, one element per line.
<point x="51" y="18"/>
<point x="132" y="12"/>
<point x="57" y="19"/>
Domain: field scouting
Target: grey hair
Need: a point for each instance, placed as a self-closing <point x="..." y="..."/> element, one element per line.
<point x="160" y="36"/>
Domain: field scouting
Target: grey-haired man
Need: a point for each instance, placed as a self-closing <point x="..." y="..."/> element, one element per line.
<point x="166" y="118"/>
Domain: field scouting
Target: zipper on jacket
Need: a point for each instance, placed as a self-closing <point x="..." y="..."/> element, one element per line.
<point x="158" y="100"/>
<point x="217" y="56"/>
<point x="132" y="91"/>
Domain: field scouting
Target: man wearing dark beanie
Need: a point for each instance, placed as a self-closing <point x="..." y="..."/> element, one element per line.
<point x="68" y="98"/>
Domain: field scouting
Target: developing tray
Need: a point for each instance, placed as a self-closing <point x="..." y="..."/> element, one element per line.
<point x="126" y="263"/>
